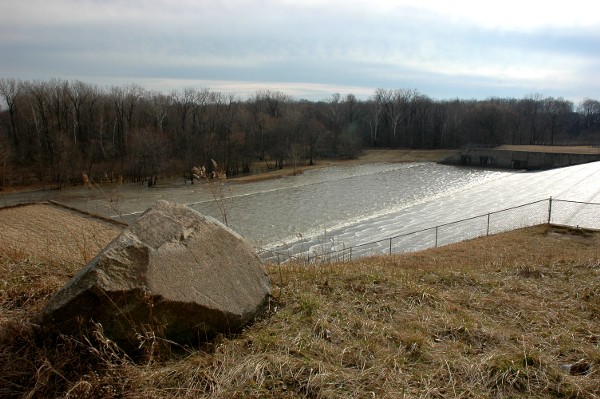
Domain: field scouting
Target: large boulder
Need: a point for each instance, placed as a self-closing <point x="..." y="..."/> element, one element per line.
<point x="174" y="270"/>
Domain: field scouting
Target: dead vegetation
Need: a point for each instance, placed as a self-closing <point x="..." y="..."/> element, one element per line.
<point x="507" y="316"/>
<point x="49" y="233"/>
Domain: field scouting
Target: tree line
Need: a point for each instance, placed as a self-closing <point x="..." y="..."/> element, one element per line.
<point x="54" y="131"/>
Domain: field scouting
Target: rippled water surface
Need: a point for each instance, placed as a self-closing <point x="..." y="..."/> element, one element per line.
<point x="350" y="204"/>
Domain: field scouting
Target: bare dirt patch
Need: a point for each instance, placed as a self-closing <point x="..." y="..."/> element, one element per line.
<point x="46" y="232"/>
<point x="569" y="233"/>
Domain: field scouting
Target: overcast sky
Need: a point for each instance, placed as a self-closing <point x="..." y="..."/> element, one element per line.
<point x="310" y="48"/>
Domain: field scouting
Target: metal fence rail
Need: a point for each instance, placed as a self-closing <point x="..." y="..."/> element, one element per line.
<point x="552" y="211"/>
<point x="583" y="215"/>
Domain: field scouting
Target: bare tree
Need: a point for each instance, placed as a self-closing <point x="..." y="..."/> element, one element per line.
<point x="5" y="155"/>
<point x="489" y="116"/>
<point x="40" y="114"/>
<point x="376" y="110"/>
<point x="148" y="151"/>
<point x="267" y="108"/>
<point x="396" y="104"/>
<point x="454" y="124"/>
<point x="159" y="108"/>
<point x="531" y="107"/>
<point x="57" y="127"/>
<point x="333" y="114"/>
<point x="556" y="109"/>
<point x="124" y="101"/>
<point x="590" y="109"/>
<point x="80" y="95"/>
<point x="419" y="119"/>
<point x="9" y="90"/>
<point x="350" y="109"/>
<point x="315" y="131"/>
<point x="184" y="102"/>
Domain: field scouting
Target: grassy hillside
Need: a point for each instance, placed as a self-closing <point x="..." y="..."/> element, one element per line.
<point x="512" y="315"/>
<point x="51" y="233"/>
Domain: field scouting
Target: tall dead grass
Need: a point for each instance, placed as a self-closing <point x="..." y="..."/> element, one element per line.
<point x="508" y="316"/>
<point x="52" y="234"/>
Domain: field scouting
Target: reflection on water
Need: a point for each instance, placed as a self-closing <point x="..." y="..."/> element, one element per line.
<point x="350" y="204"/>
<point x="341" y="198"/>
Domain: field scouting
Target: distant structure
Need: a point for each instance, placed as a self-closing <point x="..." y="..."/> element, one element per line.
<point x="524" y="157"/>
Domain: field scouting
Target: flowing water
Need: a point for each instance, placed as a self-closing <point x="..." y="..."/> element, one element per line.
<point x="347" y="205"/>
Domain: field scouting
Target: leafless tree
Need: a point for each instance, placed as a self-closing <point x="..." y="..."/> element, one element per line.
<point x="80" y="95"/>
<point x="159" y="107"/>
<point x="124" y="99"/>
<point x="531" y="107"/>
<point x="590" y="109"/>
<point x="5" y="155"/>
<point x="10" y="90"/>
<point x="59" y="129"/>
<point x="396" y="107"/>
<point x="376" y="110"/>
<point x="556" y="109"/>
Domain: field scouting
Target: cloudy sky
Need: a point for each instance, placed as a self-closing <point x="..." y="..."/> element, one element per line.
<point x="310" y="48"/>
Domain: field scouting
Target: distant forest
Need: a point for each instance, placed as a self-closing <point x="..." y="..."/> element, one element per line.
<point x="52" y="132"/>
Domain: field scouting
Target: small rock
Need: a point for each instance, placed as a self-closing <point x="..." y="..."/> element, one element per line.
<point x="581" y="367"/>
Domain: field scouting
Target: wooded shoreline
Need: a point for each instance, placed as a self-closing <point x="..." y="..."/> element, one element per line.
<point x="260" y="172"/>
<point x="52" y="133"/>
<point x="366" y="157"/>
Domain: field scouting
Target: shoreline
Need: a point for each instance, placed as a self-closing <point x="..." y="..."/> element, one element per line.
<point x="366" y="157"/>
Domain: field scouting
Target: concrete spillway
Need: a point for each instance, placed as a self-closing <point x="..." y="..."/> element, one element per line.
<point x="524" y="157"/>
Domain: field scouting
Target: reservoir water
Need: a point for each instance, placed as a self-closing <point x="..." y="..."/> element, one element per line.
<point x="346" y="205"/>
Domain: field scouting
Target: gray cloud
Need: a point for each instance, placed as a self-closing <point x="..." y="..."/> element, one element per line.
<point x="442" y="51"/>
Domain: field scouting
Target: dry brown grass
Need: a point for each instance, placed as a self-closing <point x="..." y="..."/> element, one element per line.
<point x="509" y="316"/>
<point x="49" y="233"/>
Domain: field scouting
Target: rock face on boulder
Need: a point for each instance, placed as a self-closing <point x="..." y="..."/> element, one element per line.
<point x="173" y="268"/>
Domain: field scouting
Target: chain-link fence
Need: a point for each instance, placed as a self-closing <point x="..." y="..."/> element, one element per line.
<point x="584" y="215"/>
<point x="559" y="212"/>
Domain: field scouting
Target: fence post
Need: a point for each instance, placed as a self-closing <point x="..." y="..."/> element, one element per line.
<point x="390" y="246"/>
<point x="436" y="236"/>
<point x="549" y="210"/>
<point x="488" y="225"/>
